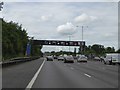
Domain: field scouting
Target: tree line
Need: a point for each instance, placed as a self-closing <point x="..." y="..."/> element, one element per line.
<point x="14" y="41"/>
<point x="93" y="50"/>
<point x="98" y="50"/>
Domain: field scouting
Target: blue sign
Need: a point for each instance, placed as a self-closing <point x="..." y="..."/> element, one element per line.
<point x="28" y="50"/>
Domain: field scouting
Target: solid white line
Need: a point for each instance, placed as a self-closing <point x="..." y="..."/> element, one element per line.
<point x="87" y="75"/>
<point x="35" y="77"/>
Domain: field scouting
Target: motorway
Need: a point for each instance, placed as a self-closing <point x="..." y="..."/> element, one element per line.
<point x="57" y="74"/>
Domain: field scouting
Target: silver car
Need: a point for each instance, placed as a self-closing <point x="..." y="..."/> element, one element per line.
<point x="60" y="58"/>
<point x="49" y="58"/>
<point x="82" y="58"/>
<point x="69" y="59"/>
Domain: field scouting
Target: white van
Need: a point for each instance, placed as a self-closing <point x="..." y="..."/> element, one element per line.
<point x="112" y="58"/>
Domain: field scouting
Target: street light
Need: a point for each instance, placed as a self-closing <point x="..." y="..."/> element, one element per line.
<point x="82" y="30"/>
<point x="82" y="36"/>
<point x="69" y="41"/>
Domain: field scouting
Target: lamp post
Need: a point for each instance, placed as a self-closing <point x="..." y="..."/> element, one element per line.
<point x="69" y="41"/>
<point x="82" y="37"/>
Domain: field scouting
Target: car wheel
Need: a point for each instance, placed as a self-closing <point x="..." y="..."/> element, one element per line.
<point x="104" y="62"/>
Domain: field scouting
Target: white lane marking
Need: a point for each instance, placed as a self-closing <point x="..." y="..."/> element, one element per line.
<point x="87" y="75"/>
<point x="35" y="77"/>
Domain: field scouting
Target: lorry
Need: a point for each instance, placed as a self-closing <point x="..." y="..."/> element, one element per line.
<point x="112" y="58"/>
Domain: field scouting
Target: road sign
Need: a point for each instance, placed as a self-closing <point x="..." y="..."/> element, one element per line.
<point x="28" y="50"/>
<point x="59" y="43"/>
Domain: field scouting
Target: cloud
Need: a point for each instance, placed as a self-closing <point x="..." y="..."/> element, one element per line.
<point x="42" y="20"/>
<point x="84" y="18"/>
<point x="67" y="29"/>
<point x="47" y="17"/>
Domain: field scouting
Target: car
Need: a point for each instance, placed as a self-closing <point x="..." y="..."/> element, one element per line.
<point x="55" y="57"/>
<point x="97" y="59"/>
<point x="69" y="59"/>
<point x="82" y="58"/>
<point x="60" y="58"/>
<point x="75" y="57"/>
<point x="49" y="58"/>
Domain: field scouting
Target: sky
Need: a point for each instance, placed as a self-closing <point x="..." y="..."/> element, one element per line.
<point x="61" y="20"/>
<point x="60" y="0"/>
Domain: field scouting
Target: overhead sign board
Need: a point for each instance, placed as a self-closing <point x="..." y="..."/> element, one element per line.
<point x="59" y="43"/>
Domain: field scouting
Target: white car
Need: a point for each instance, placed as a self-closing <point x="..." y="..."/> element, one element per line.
<point x="112" y="58"/>
<point x="82" y="59"/>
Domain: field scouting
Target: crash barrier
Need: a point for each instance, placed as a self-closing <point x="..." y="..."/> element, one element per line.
<point x="19" y="60"/>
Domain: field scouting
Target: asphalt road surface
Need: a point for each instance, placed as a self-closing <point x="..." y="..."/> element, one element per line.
<point x="57" y="74"/>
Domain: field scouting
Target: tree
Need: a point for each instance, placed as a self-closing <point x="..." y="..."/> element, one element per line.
<point x="14" y="41"/>
<point x="110" y="50"/>
<point x="98" y="50"/>
<point x="118" y="51"/>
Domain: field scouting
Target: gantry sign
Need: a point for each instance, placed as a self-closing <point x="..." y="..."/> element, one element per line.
<point x="59" y="43"/>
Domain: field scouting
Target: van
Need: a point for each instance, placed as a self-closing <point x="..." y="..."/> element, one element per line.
<point x="112" y="58"/>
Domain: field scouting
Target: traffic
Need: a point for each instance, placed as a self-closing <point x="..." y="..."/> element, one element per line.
<point x="109" y="58"/>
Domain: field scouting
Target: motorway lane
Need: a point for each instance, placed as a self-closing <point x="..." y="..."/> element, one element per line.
<point x="19" y="75"/>
<point x="57" y="74"/>
<point x="99" y="72"/>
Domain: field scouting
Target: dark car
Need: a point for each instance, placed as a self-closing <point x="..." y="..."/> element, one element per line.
<point x="55" y="57"/>
<point x="69" y="59"/>
<point x="49" y="58"/>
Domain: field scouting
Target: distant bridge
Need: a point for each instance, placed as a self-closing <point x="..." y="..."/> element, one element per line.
<point x="59" y="43"/>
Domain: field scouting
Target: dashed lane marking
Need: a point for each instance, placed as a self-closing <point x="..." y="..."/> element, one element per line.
<point x="87" y="75"/>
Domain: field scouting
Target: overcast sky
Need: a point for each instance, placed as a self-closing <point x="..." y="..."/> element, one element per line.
<point x="58" y="20"/>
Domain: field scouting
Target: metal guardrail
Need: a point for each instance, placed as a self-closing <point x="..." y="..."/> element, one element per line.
<point x="18" y="60"/>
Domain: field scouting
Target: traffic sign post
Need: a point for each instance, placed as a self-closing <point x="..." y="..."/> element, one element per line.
<point x="28" y="49"/>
